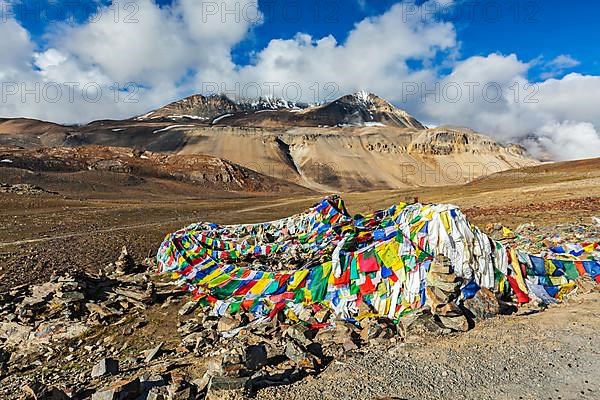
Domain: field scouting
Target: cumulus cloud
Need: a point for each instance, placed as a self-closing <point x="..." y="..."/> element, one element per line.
<point x="16" y="47"/>
<point x="375" y="57"/>
<point x="119" y="64"/>
<point x="569" y="140"/>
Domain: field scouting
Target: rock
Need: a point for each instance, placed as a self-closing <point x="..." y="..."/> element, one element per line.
<point x="148" y="382"/>
<point x="449" y="310"/>
<point x="155" y="395"/>
<point x="255" y="357"/>
<point x="180" y="389"/>
<point x="232" y="364"/>
<point x="441" y="265"/>
<point x="435" y="298"/>
<point x="338" y="334"/>
<point x="188" y="307"/>
<point x="203" y="382"/>
<point x="121" y="390"/>
<point x="106" y="366"/>
<point x="151" y="354"/>
<point x="125" y="263"/>
<point x="218" y="383"/>
<point x="418" y="322"/>
<point x="70" y="297"/>
<point x="446" y="282"/>
<point x="226" y="324"/>
<point x="214" y="367"/>
<point x="59" y="330"/>
<point x="39" y="391"/>
<point x="182" y="393"/>
<point x="102" y="311"/>
<point x="188" y="327"/>
<point x="146" y="296"/>
<point x="299" y="357"/>
<point x="298" y="333"/>
<point x="14" y="333"/>
<point x="349" y="345"/>
<point x="457" y="323"/>
<point x="483" y="305"/>
<point x="41" y="293"/>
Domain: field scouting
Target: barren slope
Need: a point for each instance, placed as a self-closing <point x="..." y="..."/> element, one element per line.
<point x="360" y="158"/>
<point x="98" y="168"/>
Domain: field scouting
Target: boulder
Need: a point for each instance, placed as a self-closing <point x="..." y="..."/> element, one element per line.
<point x="255" y="357"/>
<point x="120" y="390"/>
<point x="106" y="366"/>
<point x="456" y="323"/>
<point x="483" y="305"/>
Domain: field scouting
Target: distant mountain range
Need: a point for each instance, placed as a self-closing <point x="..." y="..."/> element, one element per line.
<point x="357" y="142"/>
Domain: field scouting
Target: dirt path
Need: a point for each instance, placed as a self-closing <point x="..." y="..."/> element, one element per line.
<point x="278" y="204"/>
<point x="74" y="235"/>
<point x="147" y="225"/>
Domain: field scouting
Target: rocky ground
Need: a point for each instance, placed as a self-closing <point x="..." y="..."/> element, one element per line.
<point x="127" y="333"/>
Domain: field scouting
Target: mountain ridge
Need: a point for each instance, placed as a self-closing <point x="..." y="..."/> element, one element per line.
<point x="360" y="108"/>
<point x="357" y="142"/>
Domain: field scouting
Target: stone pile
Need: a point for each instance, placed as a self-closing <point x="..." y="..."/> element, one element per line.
<point x="443" y="289"/>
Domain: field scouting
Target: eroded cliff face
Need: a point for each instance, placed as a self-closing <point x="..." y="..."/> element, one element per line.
<point x="365" y="158"/>
<point x="210" y="172"/>
<point x="447" y="141"/>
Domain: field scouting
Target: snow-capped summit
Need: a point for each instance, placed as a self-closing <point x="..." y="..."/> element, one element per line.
<point x="359" y="109"/>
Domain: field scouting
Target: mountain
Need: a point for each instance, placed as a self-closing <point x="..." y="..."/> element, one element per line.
<point x="357" y="142"/>
<point x="31" y="132"/>
<point x="358" y="109"/>
<point x="363" y="108"/>
<point x="209" y="108"/>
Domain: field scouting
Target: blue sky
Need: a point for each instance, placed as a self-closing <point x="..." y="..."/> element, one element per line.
<point x="531" y="29"/>
<point x="510" y="69"/>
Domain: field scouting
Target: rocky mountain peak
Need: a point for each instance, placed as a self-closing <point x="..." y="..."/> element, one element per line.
<point x="358" y="109"/>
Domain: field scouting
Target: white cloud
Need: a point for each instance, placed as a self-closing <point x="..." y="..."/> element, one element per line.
<point x="16" y="47"/>
<point x="550" y="108"/>
<point x="158" y="48"/>
<point x="373" y="57"/>
<point x="570" y="140"/>
<point x="558" y="66"/>
<point x="564" y="61"/>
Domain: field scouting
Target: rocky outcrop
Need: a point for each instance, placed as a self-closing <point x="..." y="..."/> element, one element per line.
<point x="212" y="172"/>
<point x="447" y="141"/>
